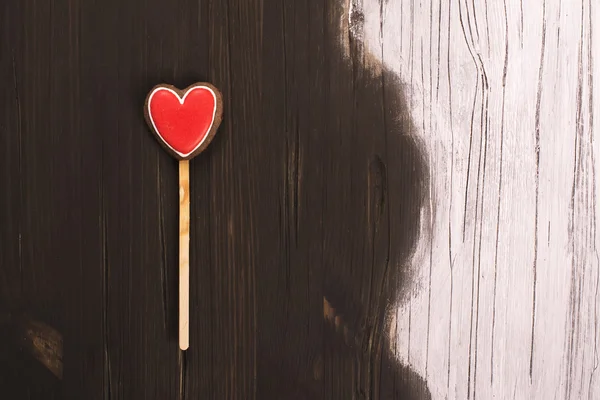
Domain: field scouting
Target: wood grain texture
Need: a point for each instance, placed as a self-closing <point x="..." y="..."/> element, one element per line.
<point x="310" y="195"/>
<point x="400" y="202"/>
<point x="502" y="95"/>
<point x="184" y="254"/>
<point x="43" y="343"/>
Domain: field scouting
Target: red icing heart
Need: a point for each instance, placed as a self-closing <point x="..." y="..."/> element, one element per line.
<point x="184" y="121"/>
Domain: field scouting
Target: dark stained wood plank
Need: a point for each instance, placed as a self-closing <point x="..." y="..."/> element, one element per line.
<point x="53" y="288"/>
<point x="10" y="145"/>
<point x="305" y="207"/>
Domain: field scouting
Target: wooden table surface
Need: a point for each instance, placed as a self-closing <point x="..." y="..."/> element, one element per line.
<point x="400" y="202"/>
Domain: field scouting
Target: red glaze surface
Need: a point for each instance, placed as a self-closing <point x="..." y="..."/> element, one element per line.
<point x="182" y="125"/>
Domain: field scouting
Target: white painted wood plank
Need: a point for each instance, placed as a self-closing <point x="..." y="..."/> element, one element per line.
<point x="503" y="96"/>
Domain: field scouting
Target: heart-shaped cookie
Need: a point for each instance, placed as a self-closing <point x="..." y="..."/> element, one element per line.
<point x="184" y="121"/>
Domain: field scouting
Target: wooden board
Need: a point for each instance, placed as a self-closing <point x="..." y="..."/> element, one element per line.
<point x="502" y="95"/>
<point x="400" y="201"/>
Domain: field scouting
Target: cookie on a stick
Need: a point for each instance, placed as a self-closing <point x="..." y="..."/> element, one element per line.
<point x="184" y="122"/>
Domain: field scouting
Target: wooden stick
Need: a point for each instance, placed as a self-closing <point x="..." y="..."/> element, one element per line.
<point x="184" y="254"/>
